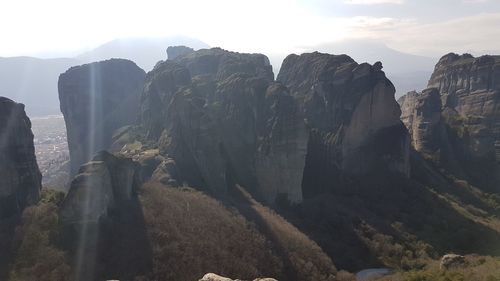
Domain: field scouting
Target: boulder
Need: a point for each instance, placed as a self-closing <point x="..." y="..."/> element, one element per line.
<point x="450" y="261"/>
<point x="96" y="99"/>
<point x="215" y="277"/>
<point x="20" y="178"/>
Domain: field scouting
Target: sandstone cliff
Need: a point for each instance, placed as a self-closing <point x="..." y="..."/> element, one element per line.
<point x="458" y="118"/>
<point x="96" y="99"/>
<point x="224" y="120"/>
<point x="20" y="178"/>
<point x="352" y="116"/>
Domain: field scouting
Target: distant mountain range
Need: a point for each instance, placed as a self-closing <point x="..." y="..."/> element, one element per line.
<point x="145" y="52"/>
<point x="33" y="81"/>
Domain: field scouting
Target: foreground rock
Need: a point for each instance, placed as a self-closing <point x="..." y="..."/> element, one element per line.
<point x="450" y="261"/>
<point x="102" y="220"/>
<point x="96" y="99"/>
<point x="101" y="185"/>
<point x="215" y="277"/>
<point x="456" y="122"/>
<point x="20" y="178"/>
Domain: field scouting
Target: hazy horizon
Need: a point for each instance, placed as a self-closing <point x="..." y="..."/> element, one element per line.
<point x="427" y="28"/>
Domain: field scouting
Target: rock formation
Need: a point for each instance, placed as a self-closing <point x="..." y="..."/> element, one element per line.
<point x="96" y="99"/>
<point x="20" y="178"/>
<point x="176" y="51"/>
<point x="203" y="109"/>
<point x="99" y="186"/>
<point x="422" y="115"/>
<point x="102" y="219"/>
<point x="224" y="120"/>
<point x="352" y="116"/>
<point x="468" y="89"/>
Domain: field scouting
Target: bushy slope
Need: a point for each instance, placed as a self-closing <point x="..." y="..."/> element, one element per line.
<point x="37" y="257"/>
<point x="399" y="223"/>
<point x="192" y="234"/>
<point x="304" y="259"/>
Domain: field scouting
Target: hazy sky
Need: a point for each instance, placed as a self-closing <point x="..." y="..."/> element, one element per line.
<point x="427" y="27"/>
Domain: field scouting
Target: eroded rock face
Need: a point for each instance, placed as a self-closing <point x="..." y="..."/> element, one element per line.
<point x="99" y="186"/>
<point x="422" y="115"/>
<point x="280" y="160"/>
<point x="224" y="120"/>
<point x="176" y="51"/>
<point x="469" y="92"/>
<point x="204" y="109"/>
<point x="102" y="220"/>
<point x="352" y="116"/>
<point x="96" y="99"/>
<point x="20" y="178"/>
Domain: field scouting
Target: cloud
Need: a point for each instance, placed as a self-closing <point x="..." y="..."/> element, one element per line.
<point x="373" y="2"/>
<point x="467" y="34"/>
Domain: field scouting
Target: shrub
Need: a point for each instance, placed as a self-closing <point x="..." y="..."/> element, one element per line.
<point x="477" y="268"/>
<point x="306" y="259"/>
<point x="37" y="258"/>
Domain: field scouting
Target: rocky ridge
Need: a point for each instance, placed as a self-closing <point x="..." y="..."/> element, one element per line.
<point x="220" y="114"/>
<point x="20" y="178"/>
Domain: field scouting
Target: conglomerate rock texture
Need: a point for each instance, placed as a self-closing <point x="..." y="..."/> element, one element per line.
<point x="224" y="120"/>
<point x="466" y="90"/>
<point x="20" y="178"/>
<point x="96" y="99"/>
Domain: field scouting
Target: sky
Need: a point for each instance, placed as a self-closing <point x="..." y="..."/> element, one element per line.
<point x="423" y="27"/>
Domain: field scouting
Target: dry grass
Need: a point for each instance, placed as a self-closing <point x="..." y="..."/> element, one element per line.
<point x="192" y="234"/>
<point x="477" y="268"/>
<point x="306" y="259"/>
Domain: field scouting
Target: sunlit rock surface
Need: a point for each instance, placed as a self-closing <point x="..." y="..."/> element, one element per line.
<point x="102" y="219"/>
<point x="96" y="99"/>
<point x="352" y="116"/>
<point x="469" y="93"/>
<point x="20" y="178"/>
<point x="99" y="186"/>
